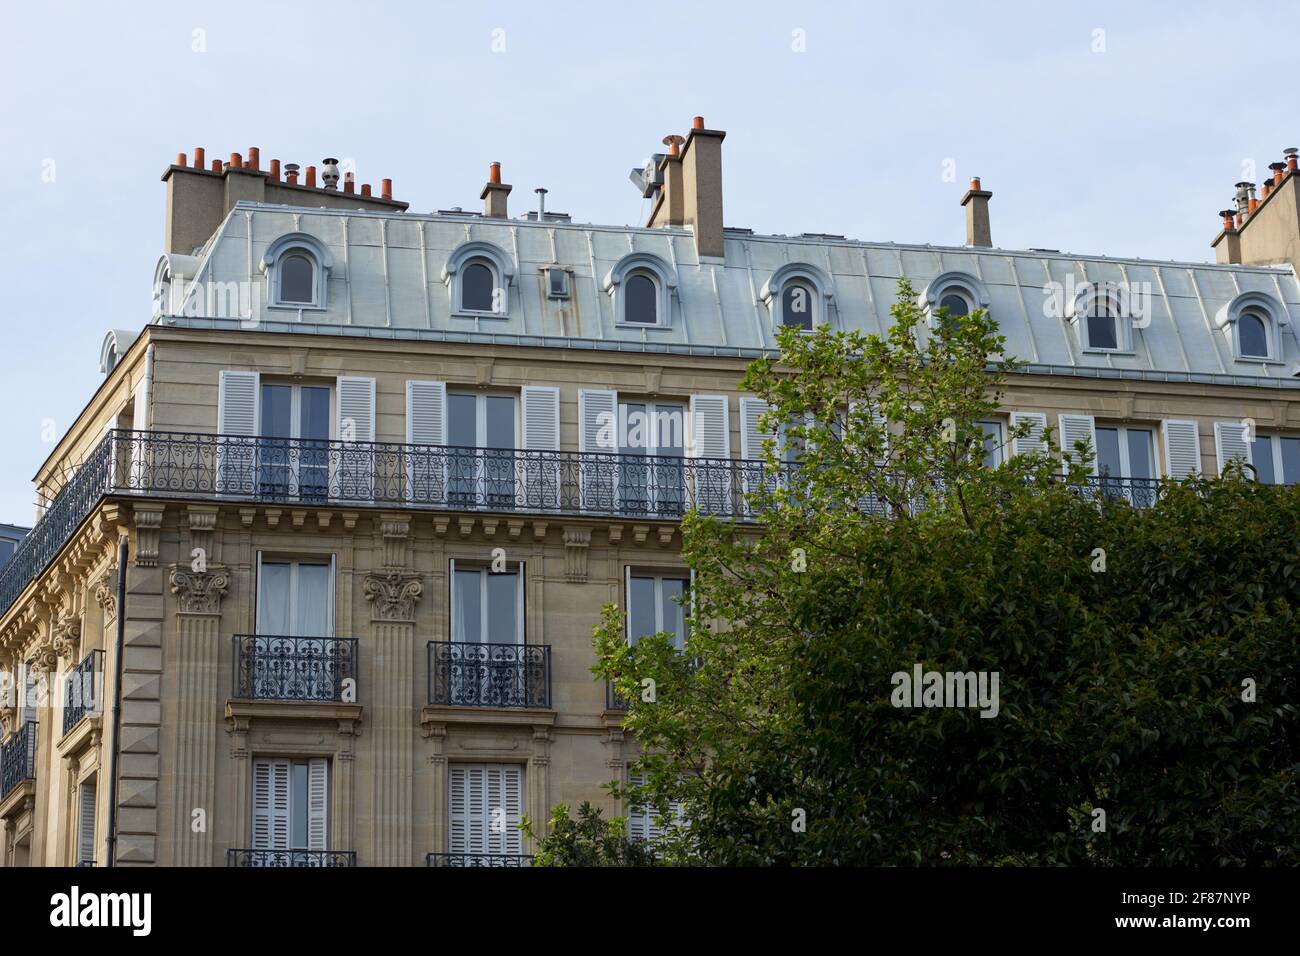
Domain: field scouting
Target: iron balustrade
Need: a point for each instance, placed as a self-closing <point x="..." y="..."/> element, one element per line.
<point x="489" y="675"/>
<point x="311" y="859"/>
<point x="613" y="700"/>
<point x="81" y="693"/>
<point x="1138" y="492"/>
<point x="479" y="859"/>
<point x="18" y="758"/>
<point x="280" y="667"/>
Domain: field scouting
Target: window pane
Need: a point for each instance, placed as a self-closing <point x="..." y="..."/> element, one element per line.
<point x="1141" y="454"/>
<point x="1290" y="461"/>
<point x="636" y="428"/>
<point x="299" y="791"/>
<point x="502" y="609"/>
<point x="673" y="614"/>
<point x="1108" y="461"/>
<point x="955" y="305"/>
<point x="462" y="420"/>
<point x="276" y="403"/>
<point x="467" y="625"/>
<point x="641" y="608"/>
<point x="500" y="421"/>
<point x="476" y="284"/>
<point x="1261" y="456"/>
<point x="313" y="601"/>
<point x="314" y="420"/>
<point x="797" y="305"/>
<point x="640" y="305"/>
<point x="992" y="443"/>
<point x="1254" y="340"/>
<point x="273" y="598"/>
<point x="670" y="428"/>
<point x="1101" y="332"/>
<point x="297" y="278"/>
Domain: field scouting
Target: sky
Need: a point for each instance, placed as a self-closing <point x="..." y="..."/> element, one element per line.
<point x="1101" y="128"/>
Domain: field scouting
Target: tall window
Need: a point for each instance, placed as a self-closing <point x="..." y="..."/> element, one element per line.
<point x="487" y="608"/>
<point x="798" y="300"/>
<point x="86" y="822"/>
<point x="297" y="278"/>
<point x="1252" y="334"/>
<point x="477" y="287"/>
<point x="483" y="429"/>
<point x="297" y="464"/>
<point x="994" y="444"/>
<point x="1102" y="323"/>
<point x="654" y="605"/>
<point x="484" y="808"/>
<point x="641" y="299"/>
<point x="656" y="433"/>
<point x="1276" y="459"/>
<point x="291" y="804"/>
<point x="295" y="598"/>
<point x="1126" y="463"/>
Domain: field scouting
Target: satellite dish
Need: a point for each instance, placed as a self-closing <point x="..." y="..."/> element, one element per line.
<point x="648" y="179"/>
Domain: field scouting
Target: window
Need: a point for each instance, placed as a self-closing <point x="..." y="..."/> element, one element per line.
<point x="477" y="287"/>
<point x="1252" y="335"/>
<point x="654" y="605"/>
<point x="86" y="823"/>
<point x="296" y="266"/>
<point x="1126" y="464"/>
<point x="656" y="432"/>
<point x="641" y="284"/>
<point x="798" y="294"/>
<point x="798" y="301"/>
<point x="557" y="283"/>
<point x="297" y="276"/>
<point x="1276" y="459"/>
<point x="641" y="303"/>
<point x="478" y="276"/>
<point x="1102" y="324"/>
<point x="956" y="306"/>
<point x="484" y="808"/>
<point x="994" y="444"/>
<point x="291" y="804"/>
<point x="295" y="598"/>
<point x="483" y="430"/>
<point x="645" y="823"/>
<point x="959" y="293"/>
<point x="7" y="549"/>
<point x="487" y="607"/>
<point x="298" y="465"/>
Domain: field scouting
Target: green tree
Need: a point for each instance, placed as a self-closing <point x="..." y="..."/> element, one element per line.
<point x="892" y="546"/>
<point x="589" y="840"/>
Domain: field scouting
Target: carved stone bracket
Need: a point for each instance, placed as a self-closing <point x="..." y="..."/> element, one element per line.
<point x="392" y="594"/>
<point x="199" y="592"/>
<point x="396" y="530"/>
<point x="577" y="541"/>
<point x="66" y="634"/>
<point x="148" y="527"/>
<point x="105" y="592"/>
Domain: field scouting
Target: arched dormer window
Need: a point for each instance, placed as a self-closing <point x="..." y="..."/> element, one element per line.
<point x="114" y="346"/>
<point x="797" y="294"/>
<point x="169" y="282"/>
<point x="954" y="295"/>
<point x="1253" y="323"/>
<point x="296" y="267"/>
<point x="478" y="276"/>
<point x="641" y="285"/>
<point x="1103" y="316"/>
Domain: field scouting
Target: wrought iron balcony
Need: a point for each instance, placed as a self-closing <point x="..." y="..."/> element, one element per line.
<point x="81" y="693"/>
<point x="275" y="667"/>
<point x="18" y="758"/>
<point x="1138" y="492"/>
<point x="489" y="675"/>
<point x="311" y="859"/>
<point x="479" y="859"/>
<point x="613" y="701"/>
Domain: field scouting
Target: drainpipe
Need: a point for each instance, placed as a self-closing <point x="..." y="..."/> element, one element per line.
<point x="122" y="550"/>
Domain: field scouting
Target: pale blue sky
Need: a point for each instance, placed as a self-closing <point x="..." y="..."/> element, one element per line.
<point x="1129" y="151"/>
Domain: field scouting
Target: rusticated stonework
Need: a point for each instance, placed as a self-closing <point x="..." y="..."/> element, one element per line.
<point x="392" y="594"/>
<point x="199" y="592"/>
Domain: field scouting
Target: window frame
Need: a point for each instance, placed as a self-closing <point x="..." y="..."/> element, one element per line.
<point x="1001" y="448"/>
<point x="659" y="272"/>
<point x="295" y="561"/>
<point x="773" y="294"/>
<point x="484" y="569"/>
<point x="658" y="576"/>
<point x="1272" y="313"/>
<point x="316" y="253"/>
<point x="503" y="273"/>
<point x="292" y="760"/>
<point x="953" y="282"/>
<point x="1275" y="440"/>
<point x="1125" y="458"/>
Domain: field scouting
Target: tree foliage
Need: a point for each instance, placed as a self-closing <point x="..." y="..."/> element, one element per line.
<point x="590" y="840"/>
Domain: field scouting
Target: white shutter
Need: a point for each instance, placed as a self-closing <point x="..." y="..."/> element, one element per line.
<point x="1035" y="443"/>
<point x="1230" y="442"/>
<point x="237" y="419"/>
<point x="539" y="478"/>
<point x="709" y="436"/>
<point x="458" y="810"/>
<point x="485" y="808"/>
<point x="751" y="445"/>
<point x="426" y="424"/>
<point x="643" y="823"/>
<point x="271" y="804"/>
<point x="86" y="822"/>
<point x="1078" y="428"/>
<point x="140" y="478"/>
<point x="318" y="804"/>
<point x="1182" y="448"/>
<point x="598" y="434"/>
<point x="355" y="401"/>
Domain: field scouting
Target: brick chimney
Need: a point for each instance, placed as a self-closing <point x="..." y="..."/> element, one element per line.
<point x="976" y="201"/>
<point x="692" y="190"/>
<point x="199" y="199"/>
<point x="1266" y="230"/>
<point x="495" y="193"/>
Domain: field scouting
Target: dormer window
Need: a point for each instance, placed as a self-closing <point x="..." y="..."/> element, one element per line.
<point x="557" y="283"/>
<point x="798" y="300"/>
<point x="953" y="295"/>
<point x="1102" y="324"/>
<point x="1252" y="323"/>
<point x="641" y="302"/>
<point x="797" y="295"/>
<point x="477" y="287"/>
<point x="642" y="287"/>
<point x="296" y="267"/>
<point x="1103" y="317"/>
<point x="478" y="276"/>
<point x="1252" y="335"/>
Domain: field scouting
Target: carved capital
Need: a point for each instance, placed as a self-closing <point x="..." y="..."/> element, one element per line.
<point x="392" y="594"/>
<point x="199" y="592"/>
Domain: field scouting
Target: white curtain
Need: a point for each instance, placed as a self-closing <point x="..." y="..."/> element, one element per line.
<point x="273" y="599"/>
<point x="312" y="601"/>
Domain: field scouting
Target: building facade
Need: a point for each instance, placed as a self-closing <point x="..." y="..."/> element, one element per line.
<point x="380" y="471"/>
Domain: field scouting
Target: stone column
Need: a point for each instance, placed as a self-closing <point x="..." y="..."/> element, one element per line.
<point x="199" y="691"/>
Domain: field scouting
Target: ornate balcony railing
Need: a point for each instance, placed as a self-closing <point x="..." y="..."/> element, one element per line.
<point x="489" y="675"/>
<point x="1138" y="492"/>
<point x="291" y="858"/>
<point x="613" y="701"/>
<point x="479" y="859"/>
<point x="18" y="758"/>
<point x="81" y="693"/>
<point x="274" y="667"/>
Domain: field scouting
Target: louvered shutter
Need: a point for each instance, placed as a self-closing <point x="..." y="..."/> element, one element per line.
<point x="598" y="436"/>
<point x="237" y="423"/>
<point x="318" y="792"/>
<point x="458" y="810"/>
<point x="356" y="432"/>
<point x="710" y="438"/>
<point x="426" y="432"/>
<point x="140" y="475"/>
<point x="1034" y="443"/>
<point x="643" y="823"/>
<point x="271" y="804"/>
<point x="1230" y="441"/>
<point x="539" y="478"/>
<point x="753" y="465"/>
<point x="1182" y="448"/>
<point x="86" y="823"/>
<point x="1078" y="428"/>
<point x="504" y="809"/>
